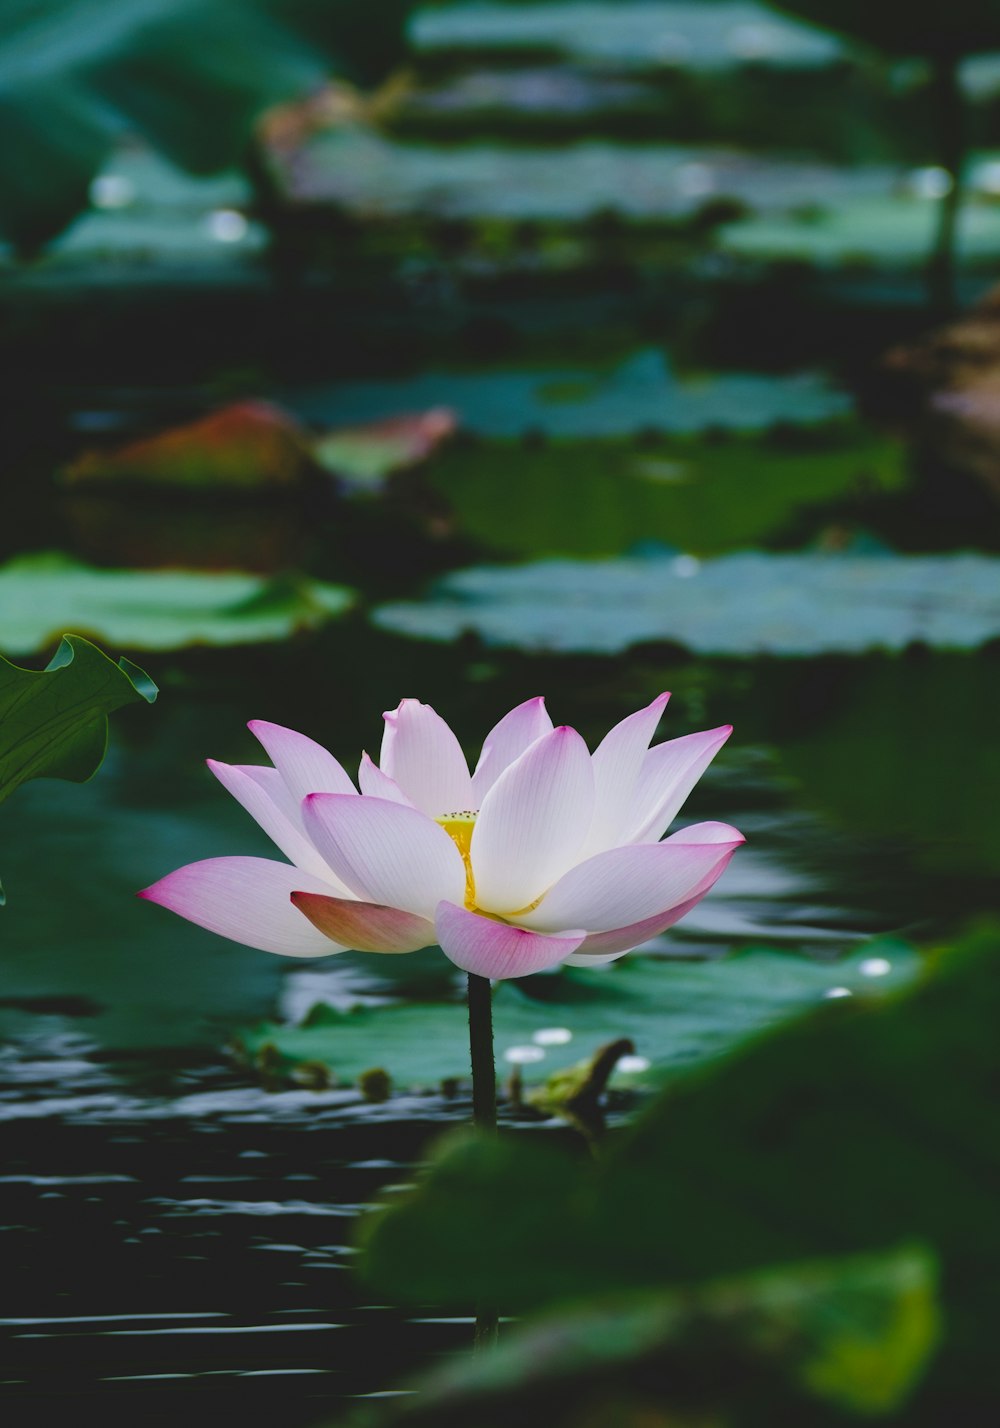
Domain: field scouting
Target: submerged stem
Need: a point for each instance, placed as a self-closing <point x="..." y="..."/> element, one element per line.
<point x="484" y="1108"/>
<point x="942" y="270"/>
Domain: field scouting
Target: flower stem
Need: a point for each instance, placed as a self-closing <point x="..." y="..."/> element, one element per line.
<point x="948" y="100"/>
<point x="484" y="1109"/>
<point x="484" y="1076"/>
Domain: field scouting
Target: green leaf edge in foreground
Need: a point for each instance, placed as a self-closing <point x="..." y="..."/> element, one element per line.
<point x="858" y="1127"/>
<point x="54" y="722"/>
<point x="855" y="1331"/>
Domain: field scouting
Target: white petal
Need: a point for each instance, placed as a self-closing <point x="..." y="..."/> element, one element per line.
<point x="617" y="762"/>
<point x="257" y="799"/>
<point x="386" y="853"/>
<point x="277" y="790"/>
<point x="495" y="949"/>
<point x="376" y="784"/>
<point x="422" y="755"/>
<point x="532" y="822"/>
<point x="305" y="765"/>
<point x="703" y="834"/>
<point x="247" y="900"/>
<point x="506" y="742"/>
<point x="669" y="773"/>
<point x="627" y="885"/>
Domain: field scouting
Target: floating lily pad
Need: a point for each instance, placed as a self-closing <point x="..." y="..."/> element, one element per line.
<point x="678" y="1013"/>
<point x="155" y="609"/>
<point x="374" y="177"/>
<point x="642" y="391"/>
<point x="534" y="99"/>
<point x="536" y="95"/>
<point x="744" y="604"/>
<point x="603" y="497"/>
<point x="146" y="218"/>
<point x="717" y="36"/>
<point x="873" y="228"/>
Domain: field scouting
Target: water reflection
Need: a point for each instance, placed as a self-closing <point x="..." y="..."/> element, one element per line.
<point x="523" y="1055"/>
<point x="876" y="967"/>
<point x="553" y="1036"/>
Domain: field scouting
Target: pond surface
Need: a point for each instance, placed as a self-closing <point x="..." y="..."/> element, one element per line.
<point x="643" y="410"/>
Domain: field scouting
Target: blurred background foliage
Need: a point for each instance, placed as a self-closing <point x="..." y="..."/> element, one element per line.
<point x="191" y="76"/>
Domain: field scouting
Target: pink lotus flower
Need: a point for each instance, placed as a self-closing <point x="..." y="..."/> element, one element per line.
<point x="546" y="854"/>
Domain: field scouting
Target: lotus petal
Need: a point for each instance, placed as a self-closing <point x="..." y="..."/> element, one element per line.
<point x="386" y="853"/>
<point x="532" y="822"/>
<point x="246" y="900"/>
<point x="376" y="784"/>
<point x="669" y="773"/>
<point x="628" y="885"/>
<point x="495" y="949"/>
<point x="602" y="947"/>
<point x="506" y="742"/>
<point x="365" y="926"/>
<point x="422" y="755"/>
<point x="617" y="763"/>
<point x="258" y="801"/>
<point x="305" y="765"/>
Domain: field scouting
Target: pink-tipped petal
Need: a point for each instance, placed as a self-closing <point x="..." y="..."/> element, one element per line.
<point x="365" y="926"/>
<point x="629" y="885"/>
<point x="669" y="773"/>
<point x="506" y="742"/>
<point x="246" y="900"/>
<point x="617" y="763"/>
<point x="305" y="765"/>
<point x="601" y="947"/>
<point x="386" y="853"/>
<point x="422" y="755"/>
<point x="495" y="949"/>
<point x="375" y="784"/>
<point x="258" y="801"/>
<point x="532" y="822"/>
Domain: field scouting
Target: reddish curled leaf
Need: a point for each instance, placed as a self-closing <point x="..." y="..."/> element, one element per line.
<point x="249" y="445"/>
